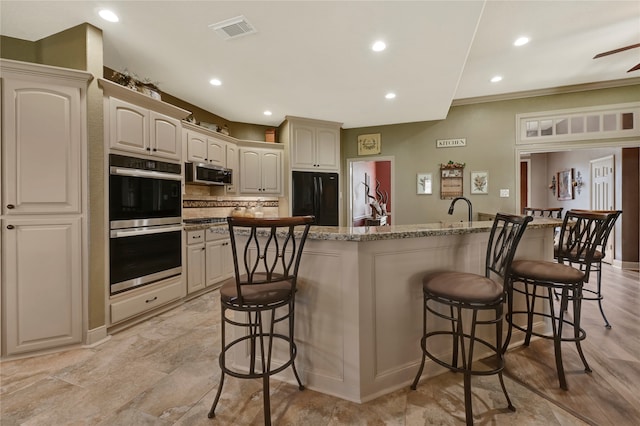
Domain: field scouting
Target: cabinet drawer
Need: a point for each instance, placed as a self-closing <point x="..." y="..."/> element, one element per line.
<point x="213" y="234"/>
<point x="152" y="299"/>
<point x="195" y="237"/>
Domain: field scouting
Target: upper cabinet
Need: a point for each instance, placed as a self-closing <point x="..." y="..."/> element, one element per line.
<point x="42" y="137"/>
<point x="142" y="125"/>
<point x="261" y="170"/>
<point x="202" y="148"/>
<point x="315" y="145"/>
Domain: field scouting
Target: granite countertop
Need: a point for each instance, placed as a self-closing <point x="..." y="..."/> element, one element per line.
<point x="394" y="232"/>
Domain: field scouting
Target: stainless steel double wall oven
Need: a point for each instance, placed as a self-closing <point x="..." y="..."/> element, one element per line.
<point x="145" y="205"/>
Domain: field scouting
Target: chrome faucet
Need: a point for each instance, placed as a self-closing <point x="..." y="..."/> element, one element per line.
<point x="453" y="202"/>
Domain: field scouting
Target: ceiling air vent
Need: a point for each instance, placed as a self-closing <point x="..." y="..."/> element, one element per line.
<point x="232" y="28"/>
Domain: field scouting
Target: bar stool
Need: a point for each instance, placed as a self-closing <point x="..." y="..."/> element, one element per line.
<point x="467" y="293"/>
<point x="596" y="265"/>
<point x="581" y="233"/>
<point x="266" y="270"/>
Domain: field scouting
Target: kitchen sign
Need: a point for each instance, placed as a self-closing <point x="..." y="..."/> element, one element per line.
<point x="450" y="143"/>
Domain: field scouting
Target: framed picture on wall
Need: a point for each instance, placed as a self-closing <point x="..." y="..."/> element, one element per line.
<point x="565" y="184"/>
<point x="479" y="182"/>
<point x="424" y="183"/>
<point x="369" y="144"/>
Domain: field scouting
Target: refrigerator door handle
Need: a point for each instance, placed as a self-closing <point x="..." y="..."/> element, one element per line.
<point x="316" y="205"/>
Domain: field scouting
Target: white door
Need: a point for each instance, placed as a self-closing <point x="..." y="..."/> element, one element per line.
<point x="602" y="192"/>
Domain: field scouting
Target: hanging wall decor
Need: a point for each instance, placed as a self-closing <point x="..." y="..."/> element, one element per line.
<point x="369" y="144"/>
<point x="424" y="183"/>
<point x="479" y="182"/>
<point x="451" y="180"/>
<point x="565" y="185"/>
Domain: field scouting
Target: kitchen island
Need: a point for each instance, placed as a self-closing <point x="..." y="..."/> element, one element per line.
<point x="359" y="303"/>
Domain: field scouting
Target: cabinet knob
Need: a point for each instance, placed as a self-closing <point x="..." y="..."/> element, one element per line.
<point x="11" y="206"/>
<point x="10" y="226"/>
<point x="155" y="149"/>
<point x="148" y="149"/>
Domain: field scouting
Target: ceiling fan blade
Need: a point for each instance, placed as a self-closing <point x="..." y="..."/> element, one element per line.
<point x="636" y="68"/>
<point x="611" y="52"/>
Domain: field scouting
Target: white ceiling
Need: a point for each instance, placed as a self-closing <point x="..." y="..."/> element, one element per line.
<point x="313" y="58"/>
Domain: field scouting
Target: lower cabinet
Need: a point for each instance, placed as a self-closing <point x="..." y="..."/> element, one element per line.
<point x="146" y="299"/>
<point x="42" y="304"/>
<point x="209" y="259"/>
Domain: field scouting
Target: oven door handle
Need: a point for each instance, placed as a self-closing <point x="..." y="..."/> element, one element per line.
<point x="119" y="233"/>
<point x="143" y="173"/>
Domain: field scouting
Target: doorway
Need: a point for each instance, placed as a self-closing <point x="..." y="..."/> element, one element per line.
<point x="371" y="181"/>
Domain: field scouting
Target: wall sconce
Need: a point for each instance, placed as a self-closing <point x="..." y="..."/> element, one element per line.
<point x="577" y="183"/>
<point x="552" y="187"/>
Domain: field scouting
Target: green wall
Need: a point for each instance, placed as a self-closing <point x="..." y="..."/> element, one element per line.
<point x="489" y="129"/>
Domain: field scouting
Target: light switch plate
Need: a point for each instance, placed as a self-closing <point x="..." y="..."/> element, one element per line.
<point x="504" y="193"/>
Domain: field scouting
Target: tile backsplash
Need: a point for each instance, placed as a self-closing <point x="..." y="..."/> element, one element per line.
<point x="197" y="205"/>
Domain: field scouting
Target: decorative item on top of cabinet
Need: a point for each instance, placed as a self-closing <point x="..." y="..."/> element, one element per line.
<point x="315" y="145"/>
<point x="44" y="210"/>
<point x="140" y="124"/>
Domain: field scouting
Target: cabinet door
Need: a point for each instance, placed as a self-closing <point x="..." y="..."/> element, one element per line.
<point x="217" y="152"/>
<point x="42" y="148"/>
<point x="327" y="149"/>
<point x="213" y="266"/>
<point x="43" y="287"/>
<point x="303" y="148"/>
<point x="232" y="163"/>
<point x="164" y="136"/>
<point x="195" y="267"/>
<point x="250" y="170"/>
<point x="196" y="147"/>
<point x="271" y="172"/>
<point x="128" y="127"/>
<point x="227" y="260"/>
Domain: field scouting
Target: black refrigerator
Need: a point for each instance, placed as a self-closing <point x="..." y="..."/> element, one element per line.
<point x="316" y="194"/>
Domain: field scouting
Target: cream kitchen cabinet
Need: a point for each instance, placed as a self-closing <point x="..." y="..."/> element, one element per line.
<point x="142" y="125"/>
<point x="42" y="283"/>
<point x="209" y="259"/>
<point x="206" y="149"/>
<point x="232" y="163"/>
<point x="315" y="145"/>
<point x="219" y="260"/>
<point x="195" y="261"/>
<point x="44" y="207"/>
<point x="260" y="170"/>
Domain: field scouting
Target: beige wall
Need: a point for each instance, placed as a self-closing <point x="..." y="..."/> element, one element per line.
<point x="489" y="129"/>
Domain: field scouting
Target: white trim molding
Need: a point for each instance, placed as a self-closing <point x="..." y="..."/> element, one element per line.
<point x="579" y="124"/>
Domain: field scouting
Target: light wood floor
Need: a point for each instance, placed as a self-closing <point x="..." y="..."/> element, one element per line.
<point x="164" y="372"/>
<point x="610" y="395"/>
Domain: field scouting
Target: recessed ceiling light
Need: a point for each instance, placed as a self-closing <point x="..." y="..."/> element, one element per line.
<point x="379" y="46"/>
<point x="521" y="41"/>
<point x="390" y="95"/>
<point x="108" y="15"/>
<point x="267" y="113"/>
<point x="215" y="82"/>
<point x="496" y="79"/>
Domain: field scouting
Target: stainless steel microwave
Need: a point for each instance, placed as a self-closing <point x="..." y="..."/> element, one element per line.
<point x="207" y="174"/>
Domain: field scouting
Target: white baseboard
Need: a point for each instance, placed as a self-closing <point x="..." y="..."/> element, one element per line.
<point x="96" y="337"/>
<point x="620" y="264"/>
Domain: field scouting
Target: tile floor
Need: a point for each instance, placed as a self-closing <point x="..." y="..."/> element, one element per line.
<point x="165" y="372"/>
